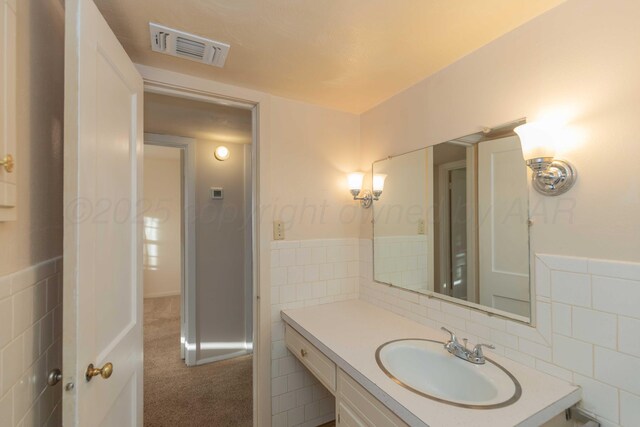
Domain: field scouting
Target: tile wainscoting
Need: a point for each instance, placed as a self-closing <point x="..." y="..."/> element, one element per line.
<point x="31" y="345"/>
<point x="305" y="273"/>
<point x="402" y="260"/>
<point x="588" y="327"/>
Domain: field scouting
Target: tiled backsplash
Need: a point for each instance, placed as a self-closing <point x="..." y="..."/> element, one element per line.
<point x="30" y="345"/>
<point x="587" y="317"/>
<point x="305" y="273"/>
<point x="402" y="260"/>
<point x="588" y="327"/>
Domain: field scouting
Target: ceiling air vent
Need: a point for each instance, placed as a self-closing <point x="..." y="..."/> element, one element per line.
<point x="184" y="45"/>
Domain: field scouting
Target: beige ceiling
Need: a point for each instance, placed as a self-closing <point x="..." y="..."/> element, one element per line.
<point x="193" y="119"/>
<point x="345" y="54"/>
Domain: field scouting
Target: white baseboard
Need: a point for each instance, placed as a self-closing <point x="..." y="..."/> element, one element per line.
<point x="222" y="357"/>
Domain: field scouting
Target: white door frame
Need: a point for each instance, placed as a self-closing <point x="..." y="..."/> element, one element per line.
<point x="189" y="87"/>
<point x="445" y="214"/>
<point x="445" y="261"/>
<point x="188" y="323"/>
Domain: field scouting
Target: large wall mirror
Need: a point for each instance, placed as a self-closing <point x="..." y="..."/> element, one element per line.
<point x="453" y="222"/>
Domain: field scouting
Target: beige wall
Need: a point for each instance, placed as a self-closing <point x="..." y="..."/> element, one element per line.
<point x="163" y="228"/>
<point x="312" y="150"/>
<point x="578" y="61"/>
<point x="37" y="234"/>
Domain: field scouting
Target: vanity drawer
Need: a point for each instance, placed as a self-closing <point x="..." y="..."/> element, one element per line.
<point x="357" y="407"/>
<point x="319" y="364"/>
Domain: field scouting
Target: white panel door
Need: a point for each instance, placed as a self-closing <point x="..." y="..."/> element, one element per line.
<point x="102" y="230"/>
<point x="503" y="226"/>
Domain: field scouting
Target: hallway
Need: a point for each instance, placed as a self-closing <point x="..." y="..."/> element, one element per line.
<point x="215" y="394"/>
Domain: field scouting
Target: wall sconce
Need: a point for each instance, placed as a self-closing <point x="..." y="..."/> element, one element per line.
<point x="355" y="187"/>
<point x="551" y="176"/>
<point x="221" y="153"/>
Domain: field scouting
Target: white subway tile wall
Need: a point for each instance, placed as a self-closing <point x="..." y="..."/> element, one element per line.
<point x="402" y="260"/>
<point x="305" y="273"/>
<point x="31" y="345"/>
<point x="588" y="327"/>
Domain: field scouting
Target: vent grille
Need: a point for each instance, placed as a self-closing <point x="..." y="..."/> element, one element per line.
<point x="191" y="48"/>
<point x="184" y="45"/>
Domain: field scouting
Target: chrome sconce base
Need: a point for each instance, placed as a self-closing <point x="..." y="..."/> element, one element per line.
<point x="552" y="177"/>
<point x="367" y="197"/>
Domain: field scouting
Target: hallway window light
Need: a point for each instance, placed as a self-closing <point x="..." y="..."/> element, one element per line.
<point x="150" y="245"/>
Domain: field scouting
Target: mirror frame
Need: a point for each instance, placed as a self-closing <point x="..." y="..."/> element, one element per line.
<point x="487" y="134"/>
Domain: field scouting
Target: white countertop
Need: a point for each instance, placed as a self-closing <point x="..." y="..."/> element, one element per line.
<point x="349" y="332"/>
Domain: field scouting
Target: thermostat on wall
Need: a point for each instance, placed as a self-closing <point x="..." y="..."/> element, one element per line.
<point x="217" y="193"/>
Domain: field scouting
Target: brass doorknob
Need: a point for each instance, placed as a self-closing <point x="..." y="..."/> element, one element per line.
<point x="105" y="372"/>
<point x="8" y="163"/>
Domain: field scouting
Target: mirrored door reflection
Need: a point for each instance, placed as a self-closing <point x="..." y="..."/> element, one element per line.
<point x="458" y="233"/>
<point x="453" y="221"/>
<point x="453" y="240"/>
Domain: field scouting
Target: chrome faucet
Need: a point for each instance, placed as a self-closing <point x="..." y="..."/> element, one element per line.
<point x="454" y="347"/>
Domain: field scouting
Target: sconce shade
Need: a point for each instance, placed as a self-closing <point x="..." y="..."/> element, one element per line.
<point x="378" y="182"/>
<point x="551" y="176"/>
<point x="221" y="153"/>
<point x="355" y="181"/>
<point x="536" y="142"/>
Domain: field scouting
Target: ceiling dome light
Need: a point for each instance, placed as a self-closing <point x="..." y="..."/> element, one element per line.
<point x="222" y="153"/>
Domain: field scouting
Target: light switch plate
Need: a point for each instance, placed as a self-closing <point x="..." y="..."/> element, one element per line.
<point x="278" y="230"/>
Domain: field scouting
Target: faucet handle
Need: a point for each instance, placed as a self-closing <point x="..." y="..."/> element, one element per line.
<point x="477" y="350"/>
<point x="453" y="337"/>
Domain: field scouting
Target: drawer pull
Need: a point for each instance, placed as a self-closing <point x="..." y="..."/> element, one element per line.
<point x="303" y="352"/>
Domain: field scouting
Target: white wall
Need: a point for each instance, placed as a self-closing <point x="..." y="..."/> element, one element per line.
<point x="163" y="217"/>
<point x="578" y="60"/>
<point x="312" y="151"/>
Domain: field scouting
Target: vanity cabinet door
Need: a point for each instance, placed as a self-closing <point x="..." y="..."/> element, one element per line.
<point x="319" y="364"/>
<point x="357" y="407"/>
<point x="346" y="416"/>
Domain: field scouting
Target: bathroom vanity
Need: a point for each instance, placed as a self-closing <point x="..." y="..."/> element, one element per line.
<point x="338" y="342"/>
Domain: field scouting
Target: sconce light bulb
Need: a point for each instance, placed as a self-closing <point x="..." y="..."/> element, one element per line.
<point x="222" y="153"/>
<point x="355" y="181"/>
<point x="536" y="142"/>
<point x="378" y="182"/>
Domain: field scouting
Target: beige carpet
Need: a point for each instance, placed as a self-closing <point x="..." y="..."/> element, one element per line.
<point x="216" y="394"/>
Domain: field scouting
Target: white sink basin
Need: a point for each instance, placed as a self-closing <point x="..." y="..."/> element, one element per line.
<point x="426" y="368"/>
